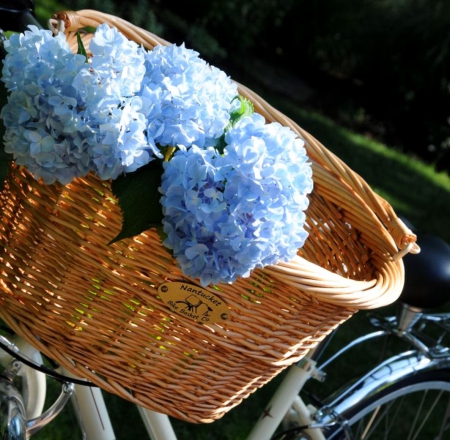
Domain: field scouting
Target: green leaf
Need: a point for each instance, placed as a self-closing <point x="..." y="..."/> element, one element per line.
<point x="246" y="109"/>
<point x="81" y="49"/>
<point x="138" y="198"/>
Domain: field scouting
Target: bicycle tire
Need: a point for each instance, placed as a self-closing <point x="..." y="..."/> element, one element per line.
<point x="420" y="407"/>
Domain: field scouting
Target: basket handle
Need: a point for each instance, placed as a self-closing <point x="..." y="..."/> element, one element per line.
<point x="403" y="237"/>
<point x="73" y="21"/>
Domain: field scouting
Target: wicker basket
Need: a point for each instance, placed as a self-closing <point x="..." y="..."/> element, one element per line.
<point x="98" y="309"/>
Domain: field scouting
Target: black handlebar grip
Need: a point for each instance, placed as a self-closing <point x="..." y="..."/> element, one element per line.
<point x="427" y="275"/>
<point x="16" y="15"/>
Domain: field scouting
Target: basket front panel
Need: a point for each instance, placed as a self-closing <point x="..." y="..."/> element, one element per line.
<point x="98" y="305"/>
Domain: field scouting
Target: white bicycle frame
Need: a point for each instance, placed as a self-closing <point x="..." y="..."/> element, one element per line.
<point x="95" y="424"/>
<point x="94" y="420"/>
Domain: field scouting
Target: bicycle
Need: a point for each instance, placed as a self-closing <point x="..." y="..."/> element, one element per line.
<point x="423" y="366"/>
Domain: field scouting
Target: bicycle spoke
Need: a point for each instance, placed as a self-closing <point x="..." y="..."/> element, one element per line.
<point x="384" y="416"/>
<point x="385" y="420"/>
<point x="445" y="425"/>
<point x="427" y="415"/>
<point x="412" y="430"/>
<point x="372" y="418"/>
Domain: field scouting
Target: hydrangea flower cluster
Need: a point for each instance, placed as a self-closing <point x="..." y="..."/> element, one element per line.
<point x="66" y="117"/>
<point x="227" y="214"/>
<point x="189" y="100"/>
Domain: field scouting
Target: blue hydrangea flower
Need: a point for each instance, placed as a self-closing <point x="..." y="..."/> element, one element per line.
<point x="117" y="58"/>
<point x="38" y="71"/>
<point x="225" y="215"/>
<point x="188" y="101"/>
<point x="33" y="57"/>
<point x="108" y="87"/>
<point x="65" y="117"/>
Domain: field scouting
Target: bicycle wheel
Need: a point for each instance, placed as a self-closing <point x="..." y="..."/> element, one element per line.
<point x="416" y="408"/>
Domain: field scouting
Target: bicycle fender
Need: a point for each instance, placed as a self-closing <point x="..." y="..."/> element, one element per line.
<point x="396" y="369"/>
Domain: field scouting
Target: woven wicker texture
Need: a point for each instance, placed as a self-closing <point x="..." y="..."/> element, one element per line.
<point x="95" y="308"/>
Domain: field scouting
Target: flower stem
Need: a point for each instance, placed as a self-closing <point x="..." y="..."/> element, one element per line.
<point x="168" y="154"/>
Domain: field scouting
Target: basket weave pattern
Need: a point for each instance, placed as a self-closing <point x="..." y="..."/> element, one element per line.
<point x="95" y="308"/>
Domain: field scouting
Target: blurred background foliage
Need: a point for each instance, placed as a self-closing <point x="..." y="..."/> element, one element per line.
<point x="379" y="67"/>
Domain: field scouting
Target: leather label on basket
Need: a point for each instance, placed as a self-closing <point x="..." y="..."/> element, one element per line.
<point x="193" y="302"/>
